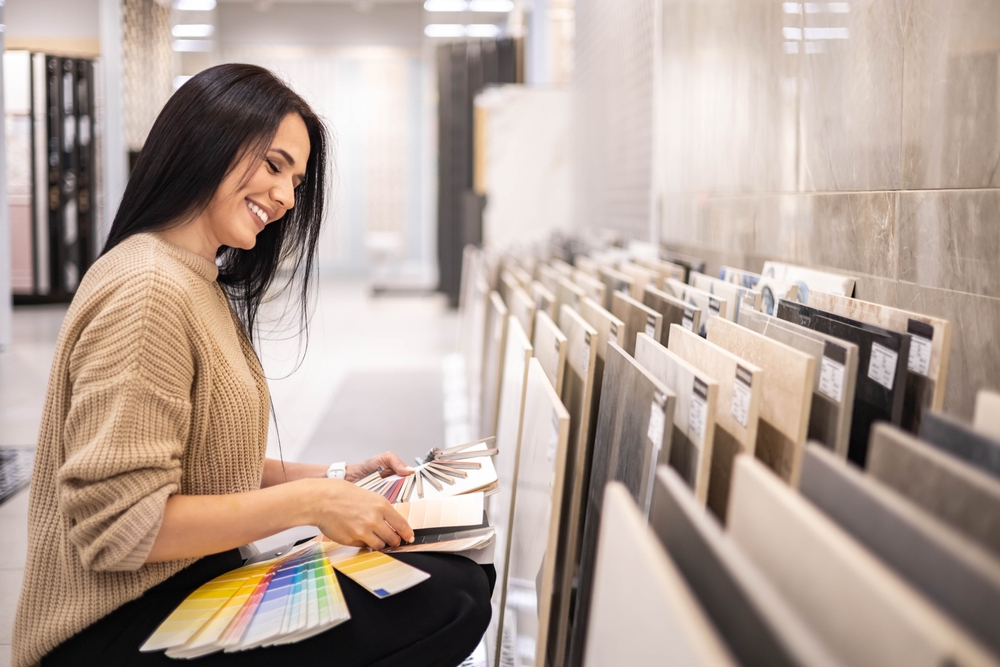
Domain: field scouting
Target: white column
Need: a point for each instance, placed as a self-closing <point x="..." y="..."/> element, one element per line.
<point x="115" y="154"/>
<point x="6" y="308"/>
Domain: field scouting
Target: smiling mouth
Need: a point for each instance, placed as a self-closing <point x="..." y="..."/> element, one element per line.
<point x="258" y="211"/>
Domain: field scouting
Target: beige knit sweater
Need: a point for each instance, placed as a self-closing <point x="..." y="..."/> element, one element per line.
<point x="154" y="390"/>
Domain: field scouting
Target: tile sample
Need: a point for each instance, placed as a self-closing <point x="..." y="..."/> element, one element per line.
<point x="737" y="296"/>
<point x="771" y="289"/>
<point x="506" y="286"/>
<point x="547" y="276"/>
<point x="529" y="579"/>
<point x="472" y="342"/>
<point x="562" y="268"/>
<point x="689" y="262"/>
<point x="587" y="265"/>
<point x="523" y="308"/>
<point x="641" y="603"/>
<point x="631" y="438"/>
<point x="663" y="269"/>
<point x="614" y="281"/>
<point x="550" y="348"/>
<point x="673" y="311"/>
<point x="861" y="610"/>
<point x="736" y="411"/>
<point x="951" y="435"/>
<point x="785" y="394"/>
<point x="881" y="369"/>
<point x="577" y="396"/>
<point x="930" y="348"/>
<point x="641" y="278"/>
<point x="590" y="285"/>
<point x="809" y="280"/>
<point x="568" y="293"/>
<point x="986" y="418"/>
<point x="710" y="305"/>
<point x="760" y="627"/>
<point x="955" y="573"/>
<point x="963" y="496"/>
<point x="496" y="335"/>
<point x="637" y="318"/>
<point x="545" y="300"/>
<point x="694" y="422"/>
<point x="522" y="276"/>
<point x="834" y="380"/>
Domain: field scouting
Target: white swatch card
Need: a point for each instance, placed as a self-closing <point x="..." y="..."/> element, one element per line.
<point x="740" y="408"/>
<point x="882" y="367"/>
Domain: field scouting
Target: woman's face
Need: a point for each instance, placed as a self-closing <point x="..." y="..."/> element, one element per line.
<point x="241" y="207"/>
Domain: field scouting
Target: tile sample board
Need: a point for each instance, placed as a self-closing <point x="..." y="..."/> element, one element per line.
<point x="881" y="380"/>
<point x="771" y="289"/>
<point x="644" y="613"/>
<point x="531" y="573"/>
<point x="609" y="329"/>
<point x="631" y="439"/>
<point x="568" y="293"/>
<point x="508" y="283"/>
<point x="736" y="410"/>
<point x="550" y="348"/>
<point x="738" y="297"/>
<point x="964" y="497"/>
<point x="663" y="269"/>
<point x="478" y="306"/>
<point x="577" y="396"/>
<point x="614" y="281"/>
<point x="637" y="318"/>
<point x="590" y="285"/>
<point x="673" y="311"/>
<point x="809" y="280"/>
<point x="641" y="278"/>
<point x="496" y="337"/>
<point x="951" y="435"/>
<point x="930" y="349"/>
<point x="588" y="265"/>
<point x="710" y="305"/>
<point x="955" y="573"/>
<point x="834" y="379"/>
<point x="547" y="276"/>
<point x="860" y="609"/>
<point x="544" y="299"/>
<point x="561" y="267"/>
<point x="785" y="394"/>
<point x="523" y="308"/>
<point x="522" y="276"/>
<point x="689" y="262"/>
<point x="986" y="418"/>
<point x="760" y="627"/>
<point x="694" y="421"/>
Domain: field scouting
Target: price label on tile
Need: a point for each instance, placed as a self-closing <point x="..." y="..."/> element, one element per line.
<point x="882" y="366"/>
<point x="614" y="331"/>
<point x="740" y="408"/>
<point x="651" y="326"/>
<point x="586" y="352"/>
<point x="656" y="419"/>
<point x="714" y="307"/>
<point x="688" y="321"/>
<point x="921" y="335"/>
<point x="832" y="370"/>
<point x="698" y="412"/>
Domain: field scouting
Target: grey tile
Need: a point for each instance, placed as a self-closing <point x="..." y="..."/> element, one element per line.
<point x="951" y="435"/>
<point x="10" y="590"/>
<point x="638" y="318"/>
<point x="852" y="79"/>
<point x="951" y="98"/>
<point x="950" y="239"/>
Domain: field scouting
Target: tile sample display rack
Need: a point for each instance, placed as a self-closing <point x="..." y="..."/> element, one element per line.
<point x="771" y="289"/>
<point x="738" y="297"/>
<point x="710" y="305"/>
<point x="673" y="311"/>
<point x="637" y="318"/>
<point x="614" y="281"/>
<point x="809" y="280"/>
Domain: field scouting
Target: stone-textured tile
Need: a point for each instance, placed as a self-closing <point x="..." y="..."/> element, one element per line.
<point x="852" y="76"/>
<point x="875" y="290"/>
<point x="10" y="590"/>
<point x="951" y="101"/>
<point x="951" y="239"/>
<point x="975" y="348"/>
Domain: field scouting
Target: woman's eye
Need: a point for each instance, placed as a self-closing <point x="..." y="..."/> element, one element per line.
<point x="272" y="167"/>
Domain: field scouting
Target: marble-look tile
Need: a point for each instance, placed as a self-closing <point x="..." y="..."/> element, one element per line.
<point x="986" y="418"/>
<point x="959" y="438"/>
<point x="852" y="79"/>
<point x="975" y="347"/>
<point x="951" y="239"/>
<point x="951" y="94"/>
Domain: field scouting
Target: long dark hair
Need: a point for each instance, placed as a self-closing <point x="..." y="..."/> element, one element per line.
<point x="204" y="130"/>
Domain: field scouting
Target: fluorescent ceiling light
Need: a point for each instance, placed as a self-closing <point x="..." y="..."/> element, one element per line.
<point x="444" y="30"/>
<point x="482" y="30"/>
<point x="445" y="5"/>
<point x="498" y="6"/>
<point x="791" y="7"/>
<point x="193" y="30"/>
<point x="193" y="45"/>
<point x="194" y="5"/>
<point x="791" y="33"/>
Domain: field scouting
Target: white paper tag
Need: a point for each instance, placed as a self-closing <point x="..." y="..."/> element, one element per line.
<point x="656" y="419"/>
<point x="586" y="352"/>
<point x="831" y="379"/>
<point x="651" y="327"/>
<point x="740" y="408"/>
<point x="553" y="439"/>
<point x="714" y="306"/>
<point x="688" y="321"/>
<point x="882" y="367"/>
<point x="920" y="355"/>
<point x="698" y="411"/>
<point x="614" y="331"/>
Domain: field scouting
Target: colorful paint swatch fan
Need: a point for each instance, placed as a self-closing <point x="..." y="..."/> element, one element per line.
<point x="446" y="472"/>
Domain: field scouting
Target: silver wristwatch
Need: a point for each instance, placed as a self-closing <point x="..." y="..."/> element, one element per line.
<point x="337" y="470"/>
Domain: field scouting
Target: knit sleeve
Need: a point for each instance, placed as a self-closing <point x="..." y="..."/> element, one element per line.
<point x="131" y="373"/>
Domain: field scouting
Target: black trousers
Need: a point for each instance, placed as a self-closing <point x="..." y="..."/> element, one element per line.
<point x="437" y="623"/>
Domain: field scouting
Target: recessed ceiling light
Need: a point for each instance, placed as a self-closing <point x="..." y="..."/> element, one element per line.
<point x="444" y="30"/>
<point x="497" y="6"/>
<point x="193" y="30"/>
<point x="445" y="5"/>
<point x="194" y="5"/>
<point x="482" y="30"/>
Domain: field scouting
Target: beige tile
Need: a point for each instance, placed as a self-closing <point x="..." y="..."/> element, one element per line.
<point x="10" y="590"/>
<point x="951" y="239"/>
<point x="852" y="76"/>
<point x="951" y="105"/>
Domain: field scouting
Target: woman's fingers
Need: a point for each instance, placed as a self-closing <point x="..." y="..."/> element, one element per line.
<point x="398" y="524"/>
<point x="395" y="464"/>
<point x="387" y="535"/>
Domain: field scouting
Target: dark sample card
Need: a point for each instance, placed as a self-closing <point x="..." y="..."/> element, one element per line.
<point x="954" y="437"/>
<point x="673" y="311"/>
<point x="637" y="318"/>
<point x="881" y="380"/>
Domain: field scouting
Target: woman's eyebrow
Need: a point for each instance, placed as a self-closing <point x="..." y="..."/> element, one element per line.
<point x="284" y="154"/>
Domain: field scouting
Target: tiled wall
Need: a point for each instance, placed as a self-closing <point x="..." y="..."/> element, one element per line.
<point x="860" y="136"/>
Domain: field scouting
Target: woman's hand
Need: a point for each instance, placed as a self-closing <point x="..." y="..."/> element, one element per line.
<point x="388" y="461"/>
<point x="357" y="517"/>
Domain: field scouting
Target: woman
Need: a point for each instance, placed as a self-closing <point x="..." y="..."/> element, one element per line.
<point x="150" y="469"/>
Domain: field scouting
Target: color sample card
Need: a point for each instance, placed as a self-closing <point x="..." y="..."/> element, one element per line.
<point x="380" y="574"/>
<point x="466" y="510"/>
